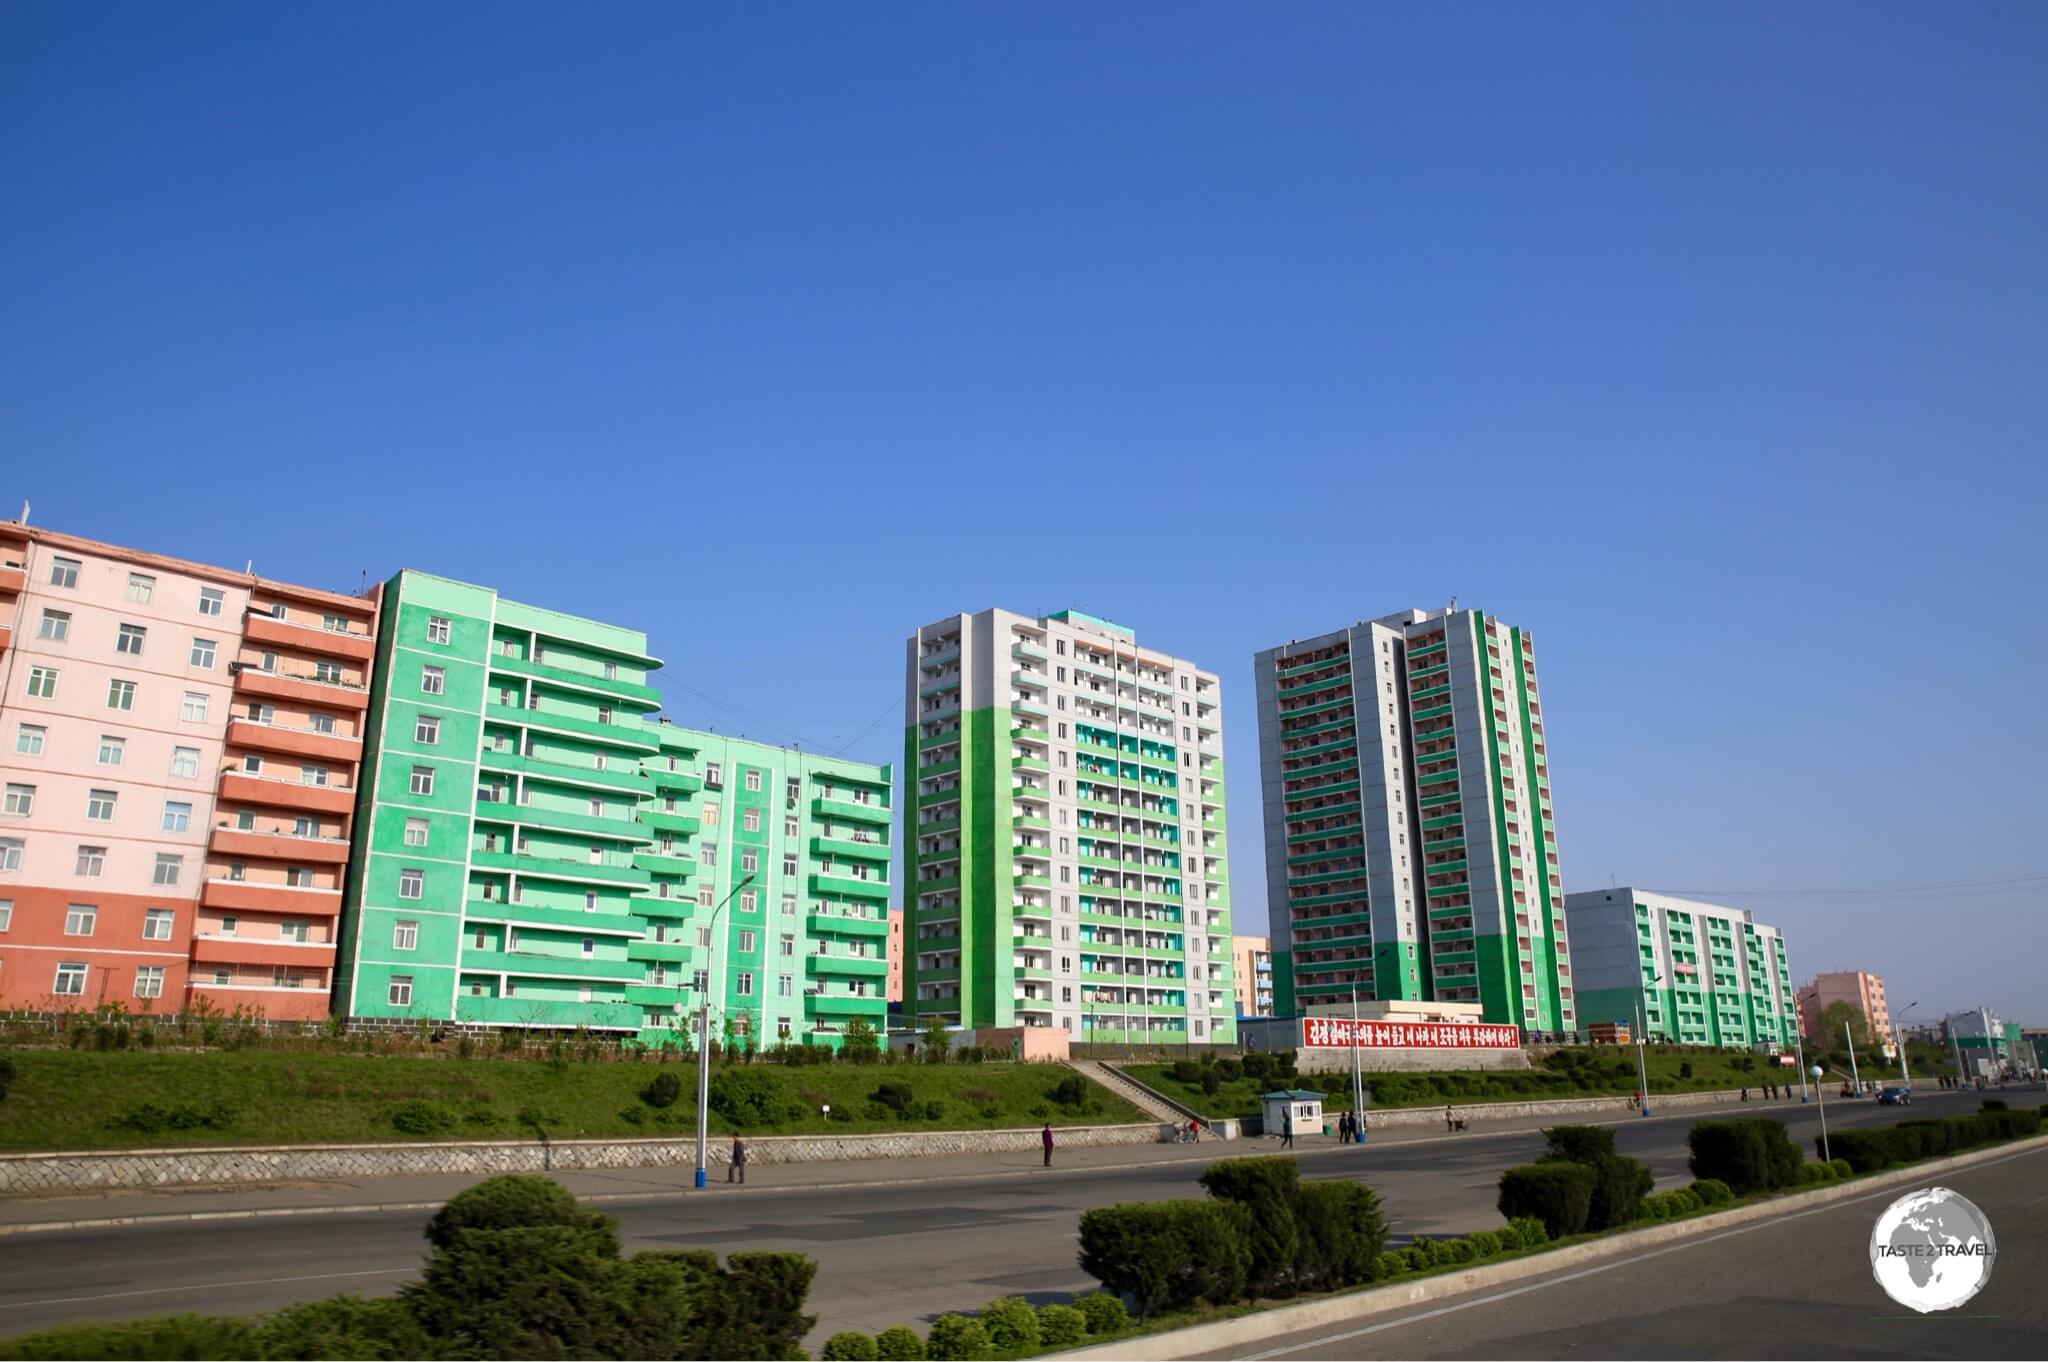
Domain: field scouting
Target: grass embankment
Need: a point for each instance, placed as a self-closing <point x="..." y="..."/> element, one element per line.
<point x="1584" y="1071"/>
<point x="69" y="1099"/>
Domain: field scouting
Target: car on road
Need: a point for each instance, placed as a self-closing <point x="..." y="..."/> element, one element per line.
<point x="1895" y="1097"/>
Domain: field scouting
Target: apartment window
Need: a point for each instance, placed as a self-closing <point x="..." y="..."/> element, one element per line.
<point x="744" y="987"/>
<point x="1059" y="646"/>
<point x="293" y="930"/>
<point x="64" y="572"/>
<point x="422" y="780"/>
<point x="596" y="808"/>
<point x="789" y="905"/>
<point x="70" y="982"/>
<point x="789" y="828"/>
<point x="784" y="987"/>
<point x="590" y="900"/>
<point x="788" y="944"/>
<point x="747" y="900"/>
<point x="329" y="672"/>
<point x="604" y="714"/>
<point x="156" y="924"/>
<point x="203" y="652"/>
<point x="28" y="740"/>
<point x="10" y="854"/>
<point x="99" y="806"/>
<point x="303" y="826"/>
<point x="129" y="640"/>
<point x="267" y="663"/>
<point x="177" y="816"/>
<point x="714" y="774"/>
<point x="710" y="814"/>
<point x="56" y="626"/>
<point x="750" y="861"/>
<point x="789" y="863"/>
<point x="167" y="869"/>
<point x="228" y="924"/>
<point x="708" y="853"/>
<point x="141" y="587"/>
<point x="704" y="897"/>
<point x="317" y="775"/>
<point x="399" y="994"/>
<point x="426" y="730"/>
<point x="80" y="919"/>
<point x="796" y="786"/>
<point x="415" y="832"/>
<point x="334" y="624"/>
<point x="120" y="695"/>
<point x="753" y="780"/>
<point x="91" y="863"/>
<point x="433" y="680"/>
<point x="211" y="601"/>
<point x="750" y="819"/>
<point x="42" y="683"/>
<point x="21" y="800"/>
<point x="185" y="762"/>
<point x="411" y="883"/>
<point x="193" y="711"/>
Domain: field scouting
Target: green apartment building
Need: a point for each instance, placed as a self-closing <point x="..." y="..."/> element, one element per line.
<point x="532" y="850"/>
<point x="1694" y="973"/>
<point x="1069" y="862"/>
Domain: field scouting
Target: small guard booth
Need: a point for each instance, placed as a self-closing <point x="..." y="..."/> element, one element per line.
<point x="1305" y="1107"/>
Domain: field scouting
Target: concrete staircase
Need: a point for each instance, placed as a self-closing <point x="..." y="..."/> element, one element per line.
<point x="1144" y="1099"/>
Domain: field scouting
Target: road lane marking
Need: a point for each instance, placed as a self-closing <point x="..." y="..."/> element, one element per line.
<point x="208" y="1286"/>
<point x="1609" y="1266"/>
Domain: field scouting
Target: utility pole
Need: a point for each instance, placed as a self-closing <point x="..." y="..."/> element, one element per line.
<point x="1949" y="1024"/>
<point x="1899" y="1039"/>
<point x="1357" y="1076"/>
<point x="704" y="1030"/>
<point x="1848" y="1035"/>
<point x="1642" y="1037"/>
<point x="1825" y="1156"/>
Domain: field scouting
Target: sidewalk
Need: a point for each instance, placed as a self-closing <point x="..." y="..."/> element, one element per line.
<point x="427" y="1192"/>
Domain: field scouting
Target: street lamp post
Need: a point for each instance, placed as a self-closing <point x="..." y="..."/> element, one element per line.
<point x="1899" y="1039"/>
<point x="1642" y="1037"/>
<point x="1357" y="1075"/>
<point x="704" y="1030"/>
<point x="1825" y="1156"/>
<point x="1949" y="1022"/>
<point x="1799" y="1048"/>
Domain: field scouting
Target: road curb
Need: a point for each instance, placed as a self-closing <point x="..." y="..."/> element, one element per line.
<point x="1265" y="1325"/>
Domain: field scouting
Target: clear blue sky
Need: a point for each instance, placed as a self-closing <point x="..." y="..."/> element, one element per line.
<point x="1706" y="342"/>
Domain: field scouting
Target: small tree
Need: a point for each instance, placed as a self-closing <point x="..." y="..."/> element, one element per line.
<point x="858" y="1042"/>
<point x="936" y="1038"/>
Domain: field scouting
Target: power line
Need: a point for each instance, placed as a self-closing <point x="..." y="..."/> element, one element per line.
<point x="1876" y="891"/>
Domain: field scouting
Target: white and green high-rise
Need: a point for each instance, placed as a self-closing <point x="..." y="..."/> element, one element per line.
<point x="1695" y="973"/>
<point x="1410" y="848"/>
<point x="1067" y="862"/>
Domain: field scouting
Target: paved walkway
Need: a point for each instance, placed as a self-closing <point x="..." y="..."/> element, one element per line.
<point x="598" y="1185"/>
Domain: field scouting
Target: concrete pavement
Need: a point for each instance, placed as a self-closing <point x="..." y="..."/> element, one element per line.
<point x="904" y="1247"/>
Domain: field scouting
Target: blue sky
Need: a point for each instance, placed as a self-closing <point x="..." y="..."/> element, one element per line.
<point x="1704" y="342"/>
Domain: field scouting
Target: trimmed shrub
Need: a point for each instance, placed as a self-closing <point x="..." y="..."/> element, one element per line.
<point x="1752" y="1154"/>
<point x="6" y="1075"/>
<point x="345" y="1327"/>
<point x="1579" y="1144"/>
<point x="1842" y="1169"/>
<point x="1485" y="1243"/>
<point x="1619" y="1183"/>
<point x="899" y="1344"/>
<point x="1166" y="1255"/>
<point x="423" y="1118"/>
<point x="1388" y="1265"/>
<point x="1455" y="1251"/>
<point x="663" y="1090"/>
<point x="849" y="1346"/>
<point x="1529" y="1229"/>
<point x="1105" y="1313"/>
<point x="1342" y="1231"/>
<point x="956" y="1338"/>
<point x="1994" y="1104"/>
<point x="1560" y="1195"/>
<point x="1863" y="1150"/>
<point x="1655" y="1207"/>
<point x="1711" y="1192"/>
<point x="1012" y="1325"/>
<point x="752" y="1099"/>
<point x="1268" y="1187"/>
<point x="175" y="1336"/>
<point x="895" y="1096"/>
<point x="1061" y="1326"/>
<point x="1072" y="1092"/>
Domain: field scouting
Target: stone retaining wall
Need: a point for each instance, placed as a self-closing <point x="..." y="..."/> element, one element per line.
<point x="57" y="1174"/>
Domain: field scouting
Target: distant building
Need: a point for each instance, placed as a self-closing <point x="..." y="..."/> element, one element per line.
<point x="1284" y="1004"/>
<point x="1695" y="973"/>
<point x="895" y="986"/>
<point x="1862" y="991"/>
<point x="1989" y="1043"/>
<point x="1252" y="959"/>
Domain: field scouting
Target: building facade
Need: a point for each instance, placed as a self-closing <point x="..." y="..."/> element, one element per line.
<point x="1861" y="990"/>
<point x="1251" y="959"/>
<point x="1689" y="972"/>
<point x="181" y="752"/>
<point x="895" y="988"/>
<point x="1065" y="802"/>
<point x="1410" y="844"/>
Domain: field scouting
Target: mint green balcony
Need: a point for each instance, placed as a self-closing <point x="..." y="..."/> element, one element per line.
<point x="534" y="964"/>
<point x="839" y="924"/>
<point x="845" y="849"/>
<point x="661" y="820"/>
<point x="665" y="952"/>
<point x="658" y="995"/>
<point x="847" y="966"/>
<point x="635" y="737"/>
<point x="626" y="778"/>
<point x="563" y="919"/>
<point x="682" y="782"/>
<point x="873" y="1006"/>
<point x="548" y="868"/>
<point x="678" y="863"/>
<point x="846" y="886"/>
<point x="847" y="810"/>
<point x="642" y="696"/>
<point x="652" y="905"/>
<point x="621" y="828"/>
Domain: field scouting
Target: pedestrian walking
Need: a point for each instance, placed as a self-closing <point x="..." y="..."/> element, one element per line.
<point x="1745" y="1094"/>
<point x="736" y="1169"/>
<point x="1344" y="1128"/>
<point x="1195" y="1128"/>
<point x="1287" y="1130"/>
<point x="1450" y="1120"/>
<point x="1045" y="1136"/>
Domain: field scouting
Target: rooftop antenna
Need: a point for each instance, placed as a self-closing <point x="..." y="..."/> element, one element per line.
<point x="24" y="510"/>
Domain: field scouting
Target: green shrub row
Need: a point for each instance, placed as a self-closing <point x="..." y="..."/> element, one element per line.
<point x="515" y="1268"/>
<point x="1006" y="1327"/>
<point x="1866" y="1150"/>
<point x="1425" y="1253"/>
<point x="1749" y="1154"/>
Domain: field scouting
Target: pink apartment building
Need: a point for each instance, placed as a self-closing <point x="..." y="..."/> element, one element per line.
<point x="1862" y="991"/>
<point x="179" y="747"/>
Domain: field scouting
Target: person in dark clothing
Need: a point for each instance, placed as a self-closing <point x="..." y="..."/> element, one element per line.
<point x="737" y="1168"/>
<point x="1287" y="1131"/>
<point x="1046" y="1136"/>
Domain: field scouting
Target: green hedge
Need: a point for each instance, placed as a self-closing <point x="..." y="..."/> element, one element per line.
<point x="1167" y="1255"/>
<point x="1752" y="1154"/>
<point x="1864" y="1151"/>
<point x="1619" y="1182"/>
<point x="1560" y="1195"/>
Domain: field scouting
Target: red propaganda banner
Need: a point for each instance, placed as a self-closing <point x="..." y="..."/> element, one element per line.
<point x="1325" y="1032"/>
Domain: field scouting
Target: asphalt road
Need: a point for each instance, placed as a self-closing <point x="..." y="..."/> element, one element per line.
<point x="886" y="1254"/>
<point x="1800" y="1286"/>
